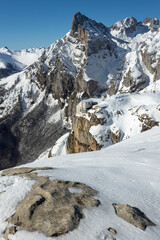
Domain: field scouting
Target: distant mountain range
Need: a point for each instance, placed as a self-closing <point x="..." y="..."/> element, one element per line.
<point x="15" y="61"/>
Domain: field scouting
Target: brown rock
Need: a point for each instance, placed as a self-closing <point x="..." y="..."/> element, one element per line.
<point x="51" y="207"/>
<point x="116" y="137"/>
<point x="128" y="80"/>
<point x="10" y="230"/>
<point x="112" y="230"/>
<point x="147" y="122"/>
<point x="147" y="60"/>
<point x="81" y="140"/>
<point x="133" y="215"/>
<point x="22" y="171"/>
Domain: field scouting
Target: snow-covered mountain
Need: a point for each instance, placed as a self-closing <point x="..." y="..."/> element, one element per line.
<point x="12" y="61"/>
<point x="118" y="68"/>
<point x="125" y="173"/>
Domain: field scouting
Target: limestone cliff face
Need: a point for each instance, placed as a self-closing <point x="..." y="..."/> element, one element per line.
<point x="112" y="122"/>
<point x="147" y="60"/>
<point x="81" y="140"/>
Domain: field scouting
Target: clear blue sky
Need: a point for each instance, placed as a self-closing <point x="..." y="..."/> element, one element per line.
<point x="35" y="23"/>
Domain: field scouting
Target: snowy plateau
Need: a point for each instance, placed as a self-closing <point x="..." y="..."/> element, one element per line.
<point x="97" y="88"/>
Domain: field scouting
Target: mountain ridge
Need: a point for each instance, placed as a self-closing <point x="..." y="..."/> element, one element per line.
<point x="38" y="104"/>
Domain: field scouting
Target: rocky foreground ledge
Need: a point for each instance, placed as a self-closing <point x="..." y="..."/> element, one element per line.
<point x="55" y="207"/>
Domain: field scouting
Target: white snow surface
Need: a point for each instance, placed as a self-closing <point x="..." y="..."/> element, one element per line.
<point x="19" y="59"/>
<point x="125" y="173"/>
<point x="59" y="148"/>
<point x="126" y="114"/>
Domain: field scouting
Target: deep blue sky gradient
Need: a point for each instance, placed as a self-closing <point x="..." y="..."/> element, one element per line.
<point x="36" y="23"/>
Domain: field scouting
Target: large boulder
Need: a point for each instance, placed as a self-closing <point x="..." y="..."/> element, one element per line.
<point x="133" y="215"/>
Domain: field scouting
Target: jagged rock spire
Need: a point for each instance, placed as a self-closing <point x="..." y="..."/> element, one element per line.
<point x="78" y="20"/>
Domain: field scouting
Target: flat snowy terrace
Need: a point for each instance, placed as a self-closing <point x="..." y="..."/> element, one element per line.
<point x="125" y="173"/>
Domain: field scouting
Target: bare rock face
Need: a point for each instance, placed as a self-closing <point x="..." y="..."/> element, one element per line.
<point x="133" y="215"/>
<point x="157" y="71"/>
<point x="128" y="80"/>
<point x="53" y="207"/>
<point x="81" y="140"/>
<point x="147" y="60"/>
<point x="80" y="26"/>
<point x="147" y="122"/>
<point x="152" y="23"/>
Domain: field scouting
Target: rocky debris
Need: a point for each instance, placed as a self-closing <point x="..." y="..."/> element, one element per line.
<point x="158" y="107"/>
<point x="112" y="230"/>
<point x="133" y="215"/>
<point x="10" y="230"/>
<point x="108" y="237"/>
<point x="51" y="207"/>
<point x="147" y="122"/>
<point x="116" y="136"/>
<point x="107" y="234"/>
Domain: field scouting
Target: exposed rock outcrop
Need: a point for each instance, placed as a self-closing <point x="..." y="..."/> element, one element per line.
<point x="153" y="23"/>
<point x="147" y="122"/>
<point x="157" y="71"/>
<point x="52" y="206"/>
<point x="81" y="140"/>
<point x="10" y="230"/>
<point x="147" y="60"/>
<point x="133" y="215"/>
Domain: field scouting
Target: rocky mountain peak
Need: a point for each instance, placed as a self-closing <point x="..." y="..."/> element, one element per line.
<point x="125" y="24"/>
<point x="130" y="21"/>
<point x="80" y="21"/>
<point x="77" y="21"/>
<point x="152" y="23"/>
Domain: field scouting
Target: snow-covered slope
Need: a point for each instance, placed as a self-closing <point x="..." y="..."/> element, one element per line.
<point x="124" y="115"/>
<point x="127" y="172"/>
<point x="12" y="61"/>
